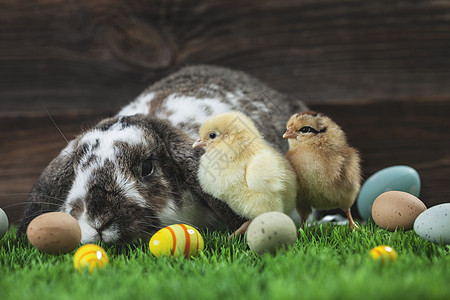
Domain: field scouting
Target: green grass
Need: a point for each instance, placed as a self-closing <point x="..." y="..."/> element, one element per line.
<point x="327" y="262"/>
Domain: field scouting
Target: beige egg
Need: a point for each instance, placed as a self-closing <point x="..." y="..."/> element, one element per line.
<point x="395" y="209"/>
<point x="54" y="233"/>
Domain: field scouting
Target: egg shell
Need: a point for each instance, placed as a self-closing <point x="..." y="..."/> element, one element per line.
<point x="54" y="233"/>
<point x="177" y="240"/>
<point x="3" y="223"/>
<point x="384" y="254"/>
<point x="271" y="231"/>
<point x="434" y="224"/>
<point x="90" y="256"/>
<point x="395" y="178"/>
<point x="396" y="210"/>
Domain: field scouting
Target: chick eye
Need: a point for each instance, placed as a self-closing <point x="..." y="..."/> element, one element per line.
<point x="212" y="135"/>
<point x="308" y="129"/>
<point x="148" y="167"/>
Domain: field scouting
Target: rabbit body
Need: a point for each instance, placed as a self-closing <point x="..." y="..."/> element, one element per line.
<point x="135" y="173"/>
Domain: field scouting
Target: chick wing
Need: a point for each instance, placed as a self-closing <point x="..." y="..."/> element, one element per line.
<point x="266" y="172"/>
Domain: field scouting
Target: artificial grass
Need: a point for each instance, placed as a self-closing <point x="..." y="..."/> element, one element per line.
<point x="327" y="262"/>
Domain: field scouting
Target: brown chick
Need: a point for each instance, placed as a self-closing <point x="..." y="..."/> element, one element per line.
<point x="242" y="170"/>
<point x="328" y="169"/>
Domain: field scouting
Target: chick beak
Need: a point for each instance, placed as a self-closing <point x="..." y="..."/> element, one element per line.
<point x="199" y="144"/>
<point x="290" y="134"/>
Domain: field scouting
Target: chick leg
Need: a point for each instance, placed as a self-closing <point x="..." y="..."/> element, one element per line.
<point x="304" y="210"/>
<point x="351" y="224"/>
<point x="241" y="230"/>
<point x="303" y="218"/>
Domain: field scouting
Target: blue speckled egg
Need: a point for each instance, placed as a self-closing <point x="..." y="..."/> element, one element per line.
<point x="395" y="178"/>
<point x="434" y="224"/>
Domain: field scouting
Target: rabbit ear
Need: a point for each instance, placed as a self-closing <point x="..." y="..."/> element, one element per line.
<point x="187" y="160"/>
<point x="50" y="190"/>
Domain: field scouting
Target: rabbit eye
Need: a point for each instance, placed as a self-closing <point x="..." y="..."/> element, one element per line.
<point x="212" y="135"/>
<point x="148" y="167"/>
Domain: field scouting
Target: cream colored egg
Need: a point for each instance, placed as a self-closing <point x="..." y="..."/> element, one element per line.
<point x="54" y="233"/>
<point x="3" y="223"/>
<point x="396" y="210"/>
<point x="270" y="232"/>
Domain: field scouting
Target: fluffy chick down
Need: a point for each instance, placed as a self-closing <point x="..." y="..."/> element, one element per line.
<point x="241" y="169"/>
<point x="328" y="169"/>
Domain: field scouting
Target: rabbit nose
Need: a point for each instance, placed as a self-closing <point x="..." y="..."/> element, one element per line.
<point x="100" y="226"/>
<point x="99" y="233"/>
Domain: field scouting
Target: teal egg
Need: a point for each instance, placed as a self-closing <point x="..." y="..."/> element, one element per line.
<point x="395" y="178"/>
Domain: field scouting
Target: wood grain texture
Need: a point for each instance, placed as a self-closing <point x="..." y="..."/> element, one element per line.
<point x="95" y="54"/>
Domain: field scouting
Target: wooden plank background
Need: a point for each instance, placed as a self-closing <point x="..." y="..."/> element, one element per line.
<point x="380" y="68"/>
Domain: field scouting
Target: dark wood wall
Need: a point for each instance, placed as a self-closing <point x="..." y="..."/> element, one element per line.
<point x="380" y="68"/>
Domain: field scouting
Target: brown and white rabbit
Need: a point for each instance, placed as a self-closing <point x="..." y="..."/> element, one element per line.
<point x="135" y="173"/>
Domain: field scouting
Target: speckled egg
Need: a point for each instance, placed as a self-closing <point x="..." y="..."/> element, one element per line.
<point x="54" y="233"/>
<point x="395" y="178"/>
<point x="271" y="231"/>
<point x="434" y="224"/>
<point x="384" y="254"/>
<point x="3" y="223"/>
<point x="396" y="210"/>
<point x="90" y="256"/>
<point x="176" y="241"/>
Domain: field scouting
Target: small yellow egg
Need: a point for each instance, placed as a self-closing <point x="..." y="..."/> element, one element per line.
<point x="91" y="256"/>
<point x="177" y="240"/>
<point x="383" y="253"/>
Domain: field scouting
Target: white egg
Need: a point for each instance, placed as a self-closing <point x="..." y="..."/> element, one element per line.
<point x="270" y="232"/>
<point x="3" y="223"/>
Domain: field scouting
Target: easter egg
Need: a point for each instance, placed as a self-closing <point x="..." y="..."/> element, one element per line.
<point x="396" y="210"/>
<point x="3" y="223"/>
<point x="384" y="254"/>
<point x="434" y="224"/>
<point x="271" y="231"/>
<point x="177" y="240"/>
<point x="54" y="233"/>
<point x="90" y="256"/>
<point x="395" y="178"/>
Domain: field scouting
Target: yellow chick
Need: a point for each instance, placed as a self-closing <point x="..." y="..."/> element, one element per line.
<point x="327" y="168"/>
<point x="242" y="170"/>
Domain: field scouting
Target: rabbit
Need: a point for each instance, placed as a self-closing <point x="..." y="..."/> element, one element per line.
<point x="135" y="173"/>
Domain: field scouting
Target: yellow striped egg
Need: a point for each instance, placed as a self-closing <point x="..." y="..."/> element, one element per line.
<point x="383" y="253"/>
<point x="91" y="256"/>
<point x="176" y="240"/>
